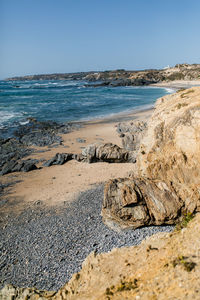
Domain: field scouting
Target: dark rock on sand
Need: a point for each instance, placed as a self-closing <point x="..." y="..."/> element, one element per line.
<point x="59" y="159"/>
<point x="79" y="140"/>
<point x="11" y="151"/>
<point x="18" y="166"/>
<point x="35" y="133"/>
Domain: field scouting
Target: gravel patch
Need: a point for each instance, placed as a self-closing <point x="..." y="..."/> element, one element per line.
<point x="43" y="248"/>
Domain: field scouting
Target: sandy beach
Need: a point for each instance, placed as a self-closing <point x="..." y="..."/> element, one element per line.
<point x="55" y="185"/>
<point x="177" y="84"/>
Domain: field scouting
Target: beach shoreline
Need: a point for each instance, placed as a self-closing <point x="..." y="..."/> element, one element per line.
<point x="177" y="84"/>
<point x="57" y="184"/>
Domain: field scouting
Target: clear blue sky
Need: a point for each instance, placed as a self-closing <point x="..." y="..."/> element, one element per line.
<point x="51" y="36"/>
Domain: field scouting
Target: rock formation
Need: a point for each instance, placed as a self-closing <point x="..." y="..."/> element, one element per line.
<point x="167" y="182"/>
<point x="105" y="152"/>
<point x="135" y="202"/>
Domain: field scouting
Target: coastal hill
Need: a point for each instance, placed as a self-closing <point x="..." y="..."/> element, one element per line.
<point x="122" y="77"/>
<point x="166" y="265"/>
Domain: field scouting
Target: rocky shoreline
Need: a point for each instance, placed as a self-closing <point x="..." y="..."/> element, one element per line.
<point x="123" y="77"/>
<point x="21" y="144"/>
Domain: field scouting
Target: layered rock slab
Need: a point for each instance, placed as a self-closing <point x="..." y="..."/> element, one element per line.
<point x="138" y="202"/>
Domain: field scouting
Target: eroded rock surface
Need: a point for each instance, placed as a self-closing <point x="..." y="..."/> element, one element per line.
<point x="138" y="202"/>
<point x="131" y="134"/>
<point x="167" y="180"/>
<point x="170" y="150"/>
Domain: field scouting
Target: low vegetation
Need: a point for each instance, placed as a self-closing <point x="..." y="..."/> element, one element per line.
<point x="182" y="261"/>
<point x="187" y="217"/>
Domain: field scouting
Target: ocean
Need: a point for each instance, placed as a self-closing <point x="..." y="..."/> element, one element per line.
<point x="65" y="101"/>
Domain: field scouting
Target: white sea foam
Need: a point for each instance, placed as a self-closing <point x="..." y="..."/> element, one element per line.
<point x="21" y="97"/>
<point x="170" y="90"/>
<point x="87" y="103"/>
<point x="24" y="122"/>
<point x="6" y="115"/>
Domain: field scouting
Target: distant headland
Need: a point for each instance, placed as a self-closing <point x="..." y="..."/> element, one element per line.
<point x="123" y="77"/>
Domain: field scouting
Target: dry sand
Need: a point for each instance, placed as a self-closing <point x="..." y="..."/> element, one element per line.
<point x="178" y="84"/>
<point x="56" y="184"/>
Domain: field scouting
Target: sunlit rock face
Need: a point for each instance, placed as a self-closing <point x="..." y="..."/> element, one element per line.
<point x="167" y="181"/>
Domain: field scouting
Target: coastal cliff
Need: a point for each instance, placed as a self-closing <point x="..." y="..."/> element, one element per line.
<point x="123" y="77"/>
<point x="166" y="185"/>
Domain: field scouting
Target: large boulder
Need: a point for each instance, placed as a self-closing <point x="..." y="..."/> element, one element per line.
<point x="137" y="202"/>
<point x="166" y="183"/>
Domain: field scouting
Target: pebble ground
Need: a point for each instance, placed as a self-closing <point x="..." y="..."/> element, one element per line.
<point x="44" y="247"/>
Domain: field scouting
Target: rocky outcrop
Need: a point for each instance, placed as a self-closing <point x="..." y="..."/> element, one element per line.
<point x="19" y="166"/>
<point x="41" y="134"/>
<point x="105" y="153"/>
<point x="167" y="182"/>
<point x="170" y="151"/>
<point x="94" y="153"/>
<point x="138" y="202"/>
<point x="164" y="266"/>
<point x="34" y="133"/>
<point x="131" y="134"/>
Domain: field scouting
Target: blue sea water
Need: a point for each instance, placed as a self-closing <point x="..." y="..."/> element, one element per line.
<point x="66" y="100"/>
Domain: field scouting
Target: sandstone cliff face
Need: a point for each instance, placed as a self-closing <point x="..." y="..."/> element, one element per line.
<point x="167" y="181"/>
<point x="170" y="150"/>
<point x="165" y="266"/>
